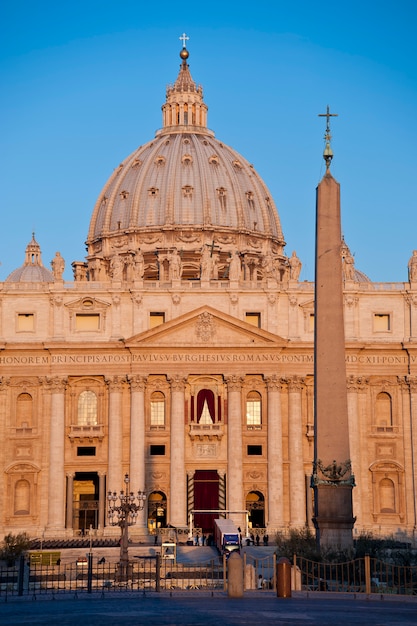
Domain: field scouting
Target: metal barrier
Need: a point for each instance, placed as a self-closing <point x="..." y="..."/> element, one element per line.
<point x="365" y="575"/>
<point x="153" y="574"/>
<point x="262" y="571"/>
<point x="205" y="576"/>
<point x="80" y="577"/>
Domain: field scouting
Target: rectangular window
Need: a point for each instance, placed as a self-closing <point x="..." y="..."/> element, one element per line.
<point x="254" y="319"/>
<point x="156" y="318"/>
<point x="157" y="412"/>
<point x="25" y="322"/>
<point x="157" y="450"/>
<point x="86" y="451"/>
<point x="311" y="323"/>
<point x="87" y="321"/>
<point x="253" y="412"/>
<point x="254" y="450"/>
<point x="382" y="322"/>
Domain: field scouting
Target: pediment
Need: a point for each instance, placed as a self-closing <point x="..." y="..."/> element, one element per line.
<point x="87" y="304"/>
<point x="206" y="326"/>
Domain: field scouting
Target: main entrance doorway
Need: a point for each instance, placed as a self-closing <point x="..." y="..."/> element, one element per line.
<point x="206" y="497"/>
<point x="85" y="501"/>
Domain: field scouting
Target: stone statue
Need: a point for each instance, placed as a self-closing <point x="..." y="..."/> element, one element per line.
<point x="412" y="267"/>
<point x="235" y="267"/>
<point x="349" y="266"/>
<point x="206" y="264"/>
<point x="175" y="265"/>
<point x="268" y="266"/>
<point x="58" y="266"/>
<point x="295" y="266"/>
<point x="116" y="267"/>
<point x="139" y="265"/>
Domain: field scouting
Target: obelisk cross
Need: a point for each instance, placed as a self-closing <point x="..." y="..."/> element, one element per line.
<point x="184" y="40"/>
<point x="328" y="153"/>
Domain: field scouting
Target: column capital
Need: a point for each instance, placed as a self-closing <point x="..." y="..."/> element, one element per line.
<point x="273" y="382"/>
<point x="137" y="382"/>
<point x="55" y="384"/>
<point x="116" y="383"/>
<point x="412" y="382"/>
<point x="177" y="382"/>
<point x="234" y="382"/>
<point x="357" y="383"/>
<point x="4" y="383"/>
<point x="295" y="383"/>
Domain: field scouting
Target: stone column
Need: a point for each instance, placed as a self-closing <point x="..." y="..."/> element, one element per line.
<point x="412" y="301"/>
<point x="70" y="500"/>
<point x="137" y="442"/>
<point x="178" y="487"/>
<point x="412" y="382"/>
<point x="275" y="469"/>
<point x="354" y="387"/>
<point x="56" y="486"/>
<point x="115" y="469"/>
<point x="234" y="483"/>
<point x="295" y="453"/>
<point x="102" y="500"/>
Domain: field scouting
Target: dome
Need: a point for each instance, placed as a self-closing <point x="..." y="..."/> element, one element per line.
<point x="186" y="190"/>
<point x="32" y="271"/>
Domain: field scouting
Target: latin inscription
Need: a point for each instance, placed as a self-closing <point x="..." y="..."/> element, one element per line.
<point x="187" y="357"/>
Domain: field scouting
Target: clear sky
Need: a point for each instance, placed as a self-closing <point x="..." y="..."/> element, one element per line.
<point x="82" y="84"/>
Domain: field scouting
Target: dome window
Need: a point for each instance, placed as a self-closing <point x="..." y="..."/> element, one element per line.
<point x="187" y="191"/>
<point x="237" y="165"/>
<point x="136" y="163"/>
<point x="187" y="159"/>
<point x="124" y="194"/>
<point x="186" y="141"/>
<point x="221" y="193"/>
<point x="214" y="160"/>
<point x="160" y="160"/>
<point x="153" y="192"/>
<point x="249" y="197"/>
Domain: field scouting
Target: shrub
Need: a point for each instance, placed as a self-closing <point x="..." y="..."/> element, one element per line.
<point x="13" y="546"/>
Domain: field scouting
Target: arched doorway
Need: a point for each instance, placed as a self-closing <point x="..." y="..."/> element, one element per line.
<point x="255" y="505"/>
<point x="157" y="511"/>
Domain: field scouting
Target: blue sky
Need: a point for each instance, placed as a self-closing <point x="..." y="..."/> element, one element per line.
<point x="83" y="82"/>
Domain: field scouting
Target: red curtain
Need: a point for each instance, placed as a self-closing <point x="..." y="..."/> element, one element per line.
<point x="206" y="496"/>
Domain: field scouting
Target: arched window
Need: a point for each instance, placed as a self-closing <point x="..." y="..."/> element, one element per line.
<point x="24" y="411"/>
<point x="87" y="409"/>
<point x="253" y="409"/>
<point x="22" y="498"/>
<point x="387" y="496"/>
<point x="383" y="410"/>
<point x="157" y="409"/>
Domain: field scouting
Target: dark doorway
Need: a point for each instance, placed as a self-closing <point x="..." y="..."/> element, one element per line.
<point x="206" y="497"/>
<point x="85" y="501"/>
<point x="255" y="504"/>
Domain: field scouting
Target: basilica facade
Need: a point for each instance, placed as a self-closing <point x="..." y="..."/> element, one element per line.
<point x="182" y="354"/>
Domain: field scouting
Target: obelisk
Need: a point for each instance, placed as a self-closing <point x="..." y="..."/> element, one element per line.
<point x="332" y="478"/>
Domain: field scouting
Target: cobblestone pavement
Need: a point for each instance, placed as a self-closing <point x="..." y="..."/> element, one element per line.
<point x="202" y="609"/>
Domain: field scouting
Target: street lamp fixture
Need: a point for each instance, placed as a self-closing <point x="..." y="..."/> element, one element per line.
<point x="123" y="512"/>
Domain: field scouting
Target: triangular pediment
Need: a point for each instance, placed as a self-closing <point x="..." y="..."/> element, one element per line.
<point x="206" y="326"/>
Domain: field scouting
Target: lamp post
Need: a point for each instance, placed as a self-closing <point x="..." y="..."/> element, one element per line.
<point x="123" y="512"/>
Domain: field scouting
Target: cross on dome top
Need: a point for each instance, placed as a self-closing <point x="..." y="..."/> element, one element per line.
<point x="184" y="38"/>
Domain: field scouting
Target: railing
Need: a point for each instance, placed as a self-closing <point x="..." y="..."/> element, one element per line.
<point x="364" y="575"/>
<point x="152" y="574"/>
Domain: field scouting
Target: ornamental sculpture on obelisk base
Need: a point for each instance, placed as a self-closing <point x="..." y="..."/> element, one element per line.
<point x="332" y="479"/>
